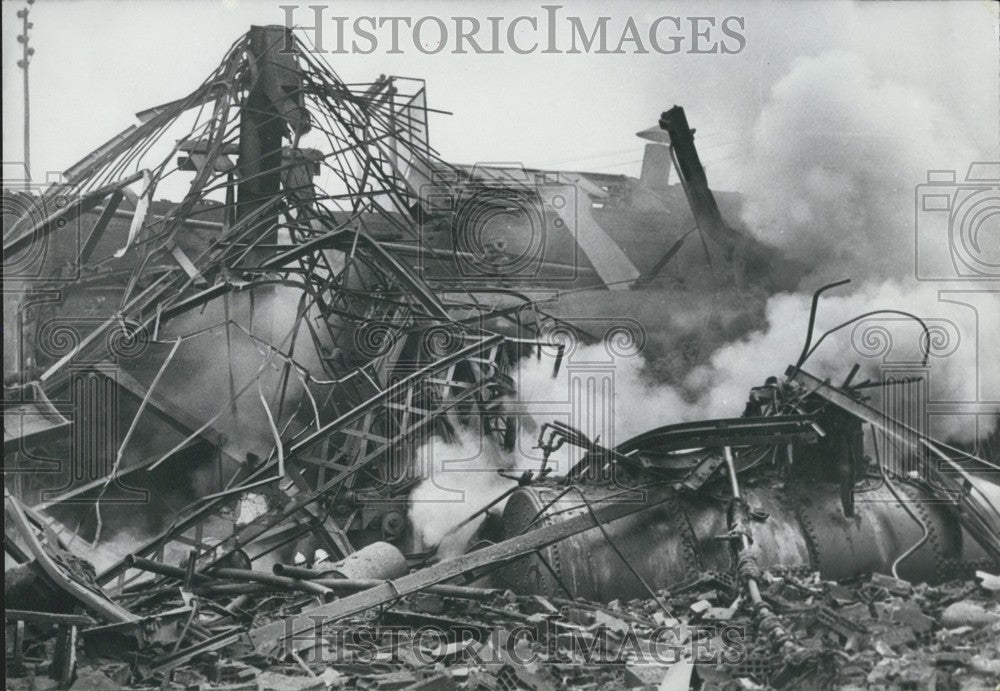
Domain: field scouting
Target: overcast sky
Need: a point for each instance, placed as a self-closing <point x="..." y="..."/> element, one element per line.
<point x="99" y="62"/>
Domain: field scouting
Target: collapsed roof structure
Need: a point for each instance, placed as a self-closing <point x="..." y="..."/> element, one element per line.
<point x="306" y="317"/>
<point x="357" y="353"/>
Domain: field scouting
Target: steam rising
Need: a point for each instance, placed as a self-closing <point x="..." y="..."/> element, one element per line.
<point x="830" y="181"/>
<point x="883" y="346"/>
<point x="836" y="155"/>
<point x="460" y="478"/>
<point x="834" y="159"/>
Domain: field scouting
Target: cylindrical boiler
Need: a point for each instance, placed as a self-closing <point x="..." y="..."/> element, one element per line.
<point x="793" y="526"/>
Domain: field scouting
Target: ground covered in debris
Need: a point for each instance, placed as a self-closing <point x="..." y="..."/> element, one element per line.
<point x="878" y="632"/>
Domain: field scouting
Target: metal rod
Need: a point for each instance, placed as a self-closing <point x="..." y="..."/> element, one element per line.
<point x="299" y="572"/>
<point x="222" y="589"/>
<point x="812" y="319"/>
<point x="355" y="584"/>
<point x="161" y="569"/>
<point x="26" y="53"/>
<point x="201" y="578"/>
<point x="752" y="588"/>
<point x="926" y="533"/>
<point x="310" y="587"/>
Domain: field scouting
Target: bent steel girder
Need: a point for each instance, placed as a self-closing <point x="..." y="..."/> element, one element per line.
<point x="349" y="159"/>
<point x="52" y="558"/>
<point x="942" y="468"/>
<point x="408" y="396"/>
<point x="357" y="185"/>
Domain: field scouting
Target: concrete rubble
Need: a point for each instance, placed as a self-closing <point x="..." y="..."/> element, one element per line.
<point x="874" y="632"/>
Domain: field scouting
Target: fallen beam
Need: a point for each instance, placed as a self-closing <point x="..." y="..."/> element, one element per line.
<point x="692" y="174"/>
<point x="47" y="617"/>
<point x="97" y="232"/>
<point x="349" y="585"/>
<point x="66" y="213"/>
<point x="91" y="597"/>
<point x="290" y="635"/>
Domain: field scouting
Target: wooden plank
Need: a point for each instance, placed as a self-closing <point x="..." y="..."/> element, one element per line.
<point x="289" y="634"/>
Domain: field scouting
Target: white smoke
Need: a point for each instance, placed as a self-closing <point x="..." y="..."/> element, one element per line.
<point x="834" y="161"/>
<point x="885" y="346"/>
<point x="835" y="158"/>
<point x="459" y="479"/>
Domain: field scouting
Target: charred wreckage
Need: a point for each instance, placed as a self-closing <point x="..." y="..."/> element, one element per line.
<point x="321" y="303"/>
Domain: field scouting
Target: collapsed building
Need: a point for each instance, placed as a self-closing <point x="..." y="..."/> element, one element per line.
<point x="237" y="385"/>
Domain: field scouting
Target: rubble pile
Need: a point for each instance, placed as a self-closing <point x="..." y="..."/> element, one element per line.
<point x="873" y="633"/>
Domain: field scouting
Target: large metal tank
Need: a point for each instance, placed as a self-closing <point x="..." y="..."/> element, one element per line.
<point x="796" y="526"/>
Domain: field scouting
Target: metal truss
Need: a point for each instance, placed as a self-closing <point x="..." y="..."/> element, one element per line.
<point x="292" y="180"/>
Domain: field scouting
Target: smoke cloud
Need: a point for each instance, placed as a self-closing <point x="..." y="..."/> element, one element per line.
<point x="460" y="478"/>
<point x="835" y="157"/>
<point x="958" y="368"/>
<point x="829" y="181"/>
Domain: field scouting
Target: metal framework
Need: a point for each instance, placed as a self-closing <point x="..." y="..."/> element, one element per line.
<point x="324" y="173"/>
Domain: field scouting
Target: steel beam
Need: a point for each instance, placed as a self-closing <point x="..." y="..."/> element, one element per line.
<point x="291" y="634"/>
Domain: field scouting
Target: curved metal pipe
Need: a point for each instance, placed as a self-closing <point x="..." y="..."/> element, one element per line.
<point x="892" y="488"/>
<point x="812" y="318"/>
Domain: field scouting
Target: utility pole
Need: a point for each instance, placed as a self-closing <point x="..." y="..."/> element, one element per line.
<point x="26" y="53"/>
